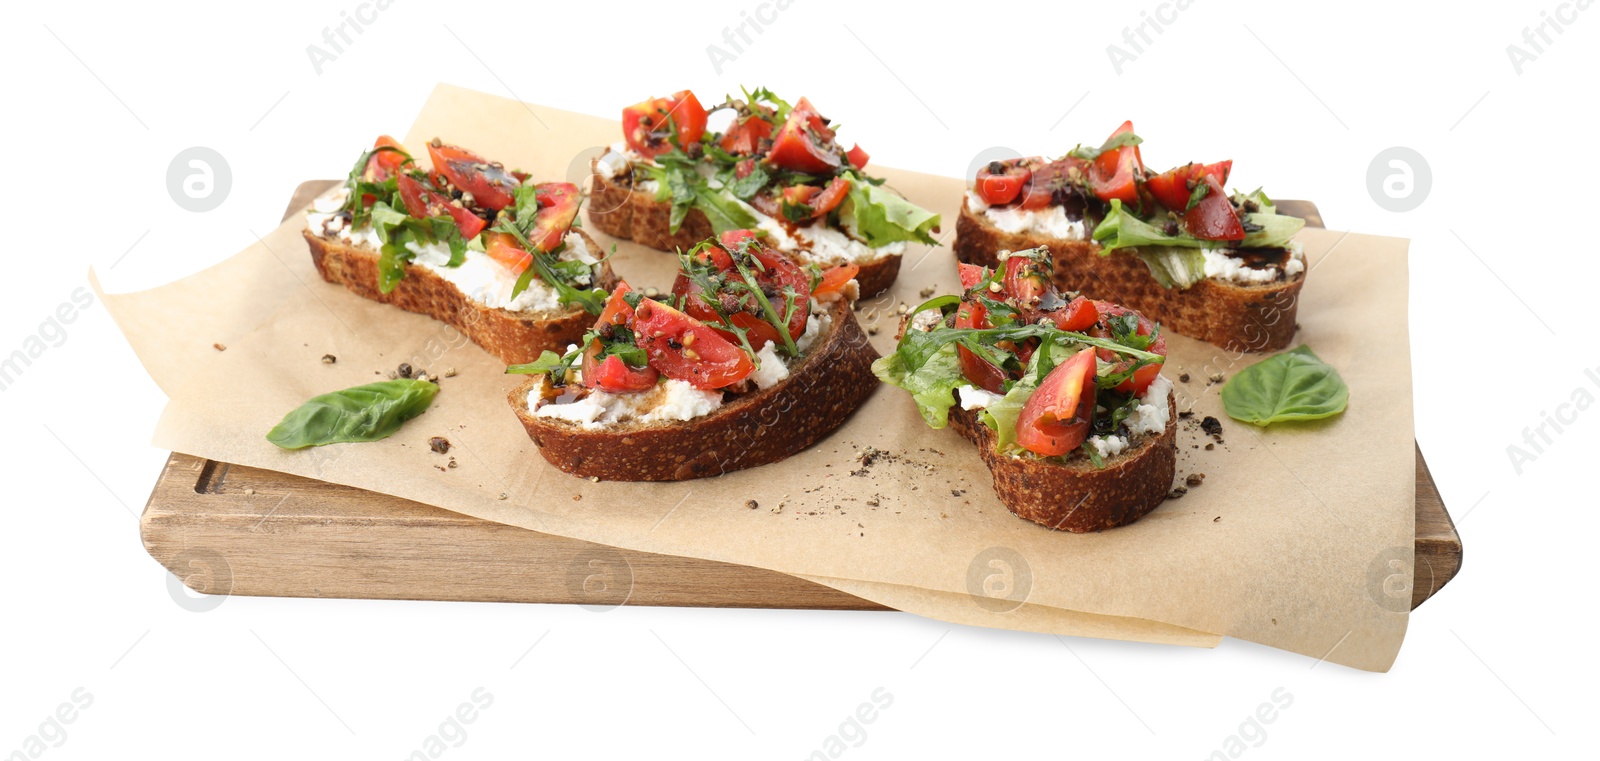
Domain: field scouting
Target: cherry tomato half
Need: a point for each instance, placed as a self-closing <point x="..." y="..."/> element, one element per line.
<point x="612" y="374"/>
<point x="1055" y="419"/>
<point x="1000" y="182"/>
<point x="805" y="143"/>
<point x="1115" y="173"/>
<point x="423" y="203"/>
<point x="686" y="349"/>
<point x="744" y="135"/>
<point x="488" y="182"/>
<point x="858" y="158"/>
<point x="1173" y="186"/>
<point x="1213" y="218"/>
<point x="835" y="280"/>
<point x="646" y="125"/>
<point x="984" y="375"/>
<point x="1146" y="375"/>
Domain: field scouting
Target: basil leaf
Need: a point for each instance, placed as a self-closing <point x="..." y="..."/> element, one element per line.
<point x="1112" y="143"/>
<point x="932" y="383"/>
<point x="363" y="413"/>
<point x="879" y="217"/>
<point x="1294" y="385"/>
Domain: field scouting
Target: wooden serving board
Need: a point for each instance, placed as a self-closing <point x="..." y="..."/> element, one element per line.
<point x="230" y="529"/>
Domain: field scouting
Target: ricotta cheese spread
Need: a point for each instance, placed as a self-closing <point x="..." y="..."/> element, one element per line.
<point x="670" y="400"/>
<point x="1221" y="266"/>
<point x="479" y="277"/>
<point x="1050" y="221"/>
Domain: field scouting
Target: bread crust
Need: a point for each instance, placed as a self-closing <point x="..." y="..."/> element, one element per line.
<point x="621" y="211"/>
<point x="1254" y="318"/>
<point x="1077" y="496"/>
<point x="513" y="337"/>
<point x="828" y="384"/>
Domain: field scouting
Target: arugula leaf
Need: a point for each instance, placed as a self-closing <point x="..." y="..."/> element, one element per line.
<point x="778" y="104"/>
<point x="932" y="383"/>
<point x="362" y="413"/>
<point x="548" y="363"/>
<point x="879" y="217"/>
<point x="1294" y="385"/>
<point x="1114" y="142"/>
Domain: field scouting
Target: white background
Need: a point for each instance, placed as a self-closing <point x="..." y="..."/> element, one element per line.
<point x="1302" y="97"/>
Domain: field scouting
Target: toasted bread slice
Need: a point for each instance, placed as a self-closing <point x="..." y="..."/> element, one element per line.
<point x="824" y="387"/>
<point x="1254" y="318"/>
<point x="513" y="337"/>
<point x="621" y="211"/>
<point x="1077" y="496"/>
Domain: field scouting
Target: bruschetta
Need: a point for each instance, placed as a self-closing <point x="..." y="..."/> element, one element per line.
<point x="672" y="181"/>
<point x="748" y="360"/>
<point x="1220" y="267"/>
<point x="470" y="243"/>
<point x="1062" y="395"/>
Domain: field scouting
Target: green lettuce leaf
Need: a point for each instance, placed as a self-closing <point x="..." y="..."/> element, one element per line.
<point x="1174" y="266"/>
<point x="1121" y="228"/>
<point x="879" y="217"/>
<point x="932" y="385"/>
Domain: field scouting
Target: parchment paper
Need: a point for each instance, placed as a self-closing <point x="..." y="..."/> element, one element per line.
<point x="1288" y="542"/>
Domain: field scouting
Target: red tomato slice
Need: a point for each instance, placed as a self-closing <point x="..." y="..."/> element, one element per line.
<point x="488" y="182"/>
<point x="835" y="279"/>
<point x="1026" y="283"/>
<point x="984" y="375"/>
<point x="423" y="203"/>
<point x="805" y="143"/>
<point x="1077" y="316"/>
<point x="385" y="164"/>
<point x="558" y="208"/>
<point x="1055" y="419"/>
<point x="971" y="274"/>
<point x="612" y="374"/>
<point x="773" y="272"/>
<point x="1141" y="379"/>
<point x="1172" y="187"/>
<point x="857" y="157"/>
<point x="744" y="135"/>
<point x="1213" y="218"/>
<point x="503" y="248"/>
<point x="684" y="348"/>
<point x="1001" y="182"/>
<point x="1046" y="177"/>
<point x="1114" y="174"/>
<point x="645" y="124"/>
<point x="796" y="195"/>
<point x="743" y="169"/>
<point x="617" y="311"/>
<point x="821" y="200"/>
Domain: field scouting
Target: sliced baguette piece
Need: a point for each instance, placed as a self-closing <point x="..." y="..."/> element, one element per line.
<point x="1077" y="496"/>
<point x="1254" y="318"/>
<point x="621" y="211"/>
<point x="822" y="390"/>
<point x="513" y="337"/>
